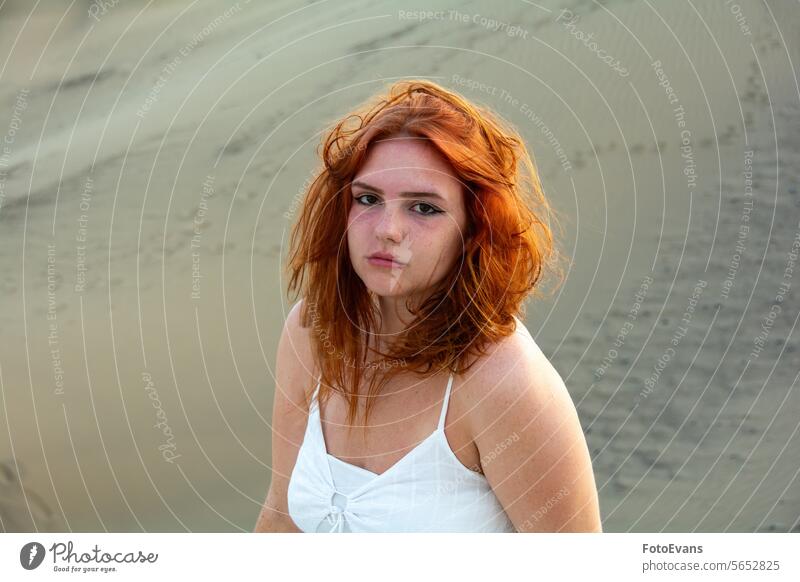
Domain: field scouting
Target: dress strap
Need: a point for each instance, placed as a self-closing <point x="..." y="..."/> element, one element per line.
<point x="443" y="414"/>
<point x="314" y="396"/>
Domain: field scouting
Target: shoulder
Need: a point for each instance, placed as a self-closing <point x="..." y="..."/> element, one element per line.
<point x="512" y="368"/>
<point x="294" y="380"/>
<point x="295" y="361"/>
<point x="528" y="434"/>
<point x="292" y="325"/>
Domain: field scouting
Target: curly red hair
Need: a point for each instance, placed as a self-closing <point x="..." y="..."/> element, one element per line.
<point x="507" y="243"/>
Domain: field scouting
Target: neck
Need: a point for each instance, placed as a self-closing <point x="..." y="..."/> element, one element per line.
<point x="394" y="317"/>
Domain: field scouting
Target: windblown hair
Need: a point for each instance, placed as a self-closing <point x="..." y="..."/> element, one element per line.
<point x="508" y="243"/>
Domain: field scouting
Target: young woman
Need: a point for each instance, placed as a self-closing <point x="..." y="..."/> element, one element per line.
<point x="417" y="244"/>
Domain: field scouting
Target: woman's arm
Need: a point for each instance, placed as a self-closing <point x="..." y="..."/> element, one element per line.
<point x="293" y="375"/>
<point x="274" y="516"/>
<point x="532" y="447"/>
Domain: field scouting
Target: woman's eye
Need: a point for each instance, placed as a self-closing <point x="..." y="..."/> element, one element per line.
<point x="360" y="201"/>
<point x="427" y="209"/>
<point x="424" y="208"/>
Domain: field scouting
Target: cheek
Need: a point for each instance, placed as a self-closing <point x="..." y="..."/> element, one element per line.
<point x="354" y="218"/>
<point x="358" y="218"/>
<point x="440" y="248"/>
<point x="451" y="251"/>
<point x="359" y="233"/>
<point x="355" y="222"/>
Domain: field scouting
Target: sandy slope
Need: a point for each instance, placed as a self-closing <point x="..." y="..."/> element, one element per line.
<point x="135" y="133"/>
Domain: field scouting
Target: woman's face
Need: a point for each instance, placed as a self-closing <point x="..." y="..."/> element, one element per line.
<point x="408" y="204"/>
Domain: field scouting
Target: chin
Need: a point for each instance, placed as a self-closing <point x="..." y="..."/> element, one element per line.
<point x="385" y="288"/>
<point x="383" y="282"/>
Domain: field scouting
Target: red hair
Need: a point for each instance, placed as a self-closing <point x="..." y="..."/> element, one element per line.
<point x="507" y="243"/>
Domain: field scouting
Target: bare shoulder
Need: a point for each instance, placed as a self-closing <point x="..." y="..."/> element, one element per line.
<point x="532" y="448"/>
<point x="295" y="360"/>
<point x="294" y="380"/>
<point x="510" y="368"/>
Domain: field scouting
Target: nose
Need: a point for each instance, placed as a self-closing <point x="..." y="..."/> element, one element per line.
<point x="390" y="225"/>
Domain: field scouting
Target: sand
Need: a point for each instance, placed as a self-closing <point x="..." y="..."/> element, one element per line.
<point x="155" y="158"/>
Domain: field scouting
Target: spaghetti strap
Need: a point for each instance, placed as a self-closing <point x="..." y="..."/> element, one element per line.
<point x="446" y="400"/>
<point x="314" y="395"/>
<point x="427" y="490"/>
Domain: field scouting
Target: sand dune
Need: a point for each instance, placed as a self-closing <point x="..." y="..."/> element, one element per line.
<point x="155" y="158"/>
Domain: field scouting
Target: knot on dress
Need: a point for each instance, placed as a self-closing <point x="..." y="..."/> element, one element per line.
<point x="337" y="512"/>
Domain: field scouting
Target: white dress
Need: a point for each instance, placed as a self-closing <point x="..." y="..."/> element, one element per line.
<point x="428" y="490"/>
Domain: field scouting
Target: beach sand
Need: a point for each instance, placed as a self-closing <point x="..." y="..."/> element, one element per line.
<point x="155" y="157"/>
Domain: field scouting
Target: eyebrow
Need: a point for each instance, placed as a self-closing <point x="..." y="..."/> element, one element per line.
<point x="402" y="194"/>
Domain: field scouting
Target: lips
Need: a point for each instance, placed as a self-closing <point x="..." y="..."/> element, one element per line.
<point x="385" y="260"/>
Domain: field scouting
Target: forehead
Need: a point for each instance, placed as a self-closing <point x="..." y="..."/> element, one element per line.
<point x="406" y="163"/>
